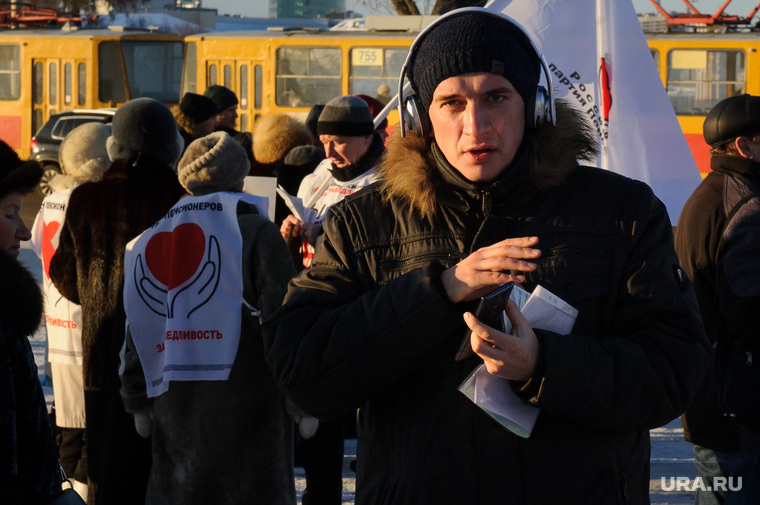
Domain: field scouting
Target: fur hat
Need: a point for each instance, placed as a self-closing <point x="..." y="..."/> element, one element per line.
<point x="83" y="155"/>
<point x="474" y="42"/>
<point x="213" y="163"/>
<point x="274" y="135"/>
<point x="223" y="98"/>
<point x="146" y="127"/>
<point x="197" y="107"/>
<point x="736" y="116"/>
<point x="347" y="116"/>
<point x="16" y="174"/>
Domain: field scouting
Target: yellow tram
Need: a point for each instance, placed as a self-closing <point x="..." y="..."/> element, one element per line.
<point x="45" y="71"/>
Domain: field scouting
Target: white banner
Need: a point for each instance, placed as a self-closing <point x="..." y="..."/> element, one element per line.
<point x="601" y="64"/>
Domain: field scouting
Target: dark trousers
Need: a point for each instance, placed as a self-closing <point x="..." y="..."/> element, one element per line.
<point x="73" y="453"/>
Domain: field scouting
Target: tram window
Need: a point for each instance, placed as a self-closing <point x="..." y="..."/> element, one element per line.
<point x="243" y="88"/>
<point x="257" y="87"/>
<point x="307" y="75"/>
<point x="190" y="78"/>
<point x="698" y="79"/>
<point x="53" y="83"/>
<point x="110" y="75"/>
<point x="37" y="120"/>
<point x="212" y="74"/>
<point x="372" y="67"/>
<point x="243" y="122"/>
<point x="154" y="69"/>
<point x="38" y="91"/>
<point x="81" y="84"/>
<point x="10" y="76"/>
<point x="67" y="98"/>
<point x="227" y="70"/>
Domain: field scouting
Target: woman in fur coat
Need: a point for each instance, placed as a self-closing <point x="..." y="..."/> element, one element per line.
<point x="138" y="188"/>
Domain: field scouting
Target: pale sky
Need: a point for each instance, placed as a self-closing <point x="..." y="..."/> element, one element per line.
<point x="260" y="8"/>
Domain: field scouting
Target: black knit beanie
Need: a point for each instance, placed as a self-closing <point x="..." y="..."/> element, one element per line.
<point x="223" y="98"/>
<point x="197" y="107"/>
<point x="347" y="116"/>
<point x="474" y="42"/>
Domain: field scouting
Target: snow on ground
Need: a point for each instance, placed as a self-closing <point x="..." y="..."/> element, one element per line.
<point x="671" y="456"/>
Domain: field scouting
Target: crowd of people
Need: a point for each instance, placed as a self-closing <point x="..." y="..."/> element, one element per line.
<point x="201" y="348"/>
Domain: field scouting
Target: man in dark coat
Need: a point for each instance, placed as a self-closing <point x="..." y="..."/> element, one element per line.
<point x="488" y="195"/>
<point x="718" y="243"/>
<point x="88" y="269"/>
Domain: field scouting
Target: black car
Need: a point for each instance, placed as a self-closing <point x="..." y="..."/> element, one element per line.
<point x="45" y="144"/>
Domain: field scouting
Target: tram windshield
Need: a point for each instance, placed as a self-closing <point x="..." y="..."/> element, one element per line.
<point x="153" y="69"/>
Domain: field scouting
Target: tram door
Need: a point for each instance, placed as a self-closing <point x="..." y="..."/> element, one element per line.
<point x="57" y="84"/>
<point x="244" y="77"/>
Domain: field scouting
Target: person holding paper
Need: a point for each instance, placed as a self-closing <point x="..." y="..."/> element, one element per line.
<point x="353" y="149"/>
<point x="478" y="188"/>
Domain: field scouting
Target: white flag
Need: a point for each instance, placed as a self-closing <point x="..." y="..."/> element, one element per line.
<point x="601" y="64"/>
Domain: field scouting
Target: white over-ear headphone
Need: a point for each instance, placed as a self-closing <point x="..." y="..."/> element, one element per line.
<point x="412" y="116"/>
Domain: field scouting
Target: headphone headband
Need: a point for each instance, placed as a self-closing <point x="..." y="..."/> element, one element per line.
<point x="412" y="115"/>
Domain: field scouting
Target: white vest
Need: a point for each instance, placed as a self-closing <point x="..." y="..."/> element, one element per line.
<point x="63" y="319"/>
<point x="183" y="290"/>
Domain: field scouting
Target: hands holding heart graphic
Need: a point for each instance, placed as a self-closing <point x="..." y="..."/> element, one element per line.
<point x="172" y="259"/>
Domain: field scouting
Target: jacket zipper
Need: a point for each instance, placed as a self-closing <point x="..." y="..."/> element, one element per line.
<point x="485" y="206"/>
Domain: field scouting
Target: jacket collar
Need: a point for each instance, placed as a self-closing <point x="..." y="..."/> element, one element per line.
<point x="736" y="165"/>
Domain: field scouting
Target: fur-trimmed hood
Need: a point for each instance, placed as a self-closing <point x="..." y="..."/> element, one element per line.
<point x="409" y="169"/>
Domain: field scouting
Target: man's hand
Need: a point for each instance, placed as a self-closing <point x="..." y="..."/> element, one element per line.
<point x="291" y="228"/>
<point x="512" y="356"/>
<point x="488" y="267"/>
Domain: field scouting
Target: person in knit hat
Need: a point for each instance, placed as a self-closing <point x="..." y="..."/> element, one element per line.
<point x="82" y="157"/>
<point x="241" y="433"/>
<point x="139" y="186"/>
<point x="484" y="186"/>
<point x="29" y="471"/>
<point x="226" y="103"/>
<point x="353" y="149"/>
<point x="196" y="116"/>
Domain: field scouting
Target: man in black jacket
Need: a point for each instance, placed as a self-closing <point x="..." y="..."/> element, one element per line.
<point x="490" y="191"/>
<point x="718" y="242"/>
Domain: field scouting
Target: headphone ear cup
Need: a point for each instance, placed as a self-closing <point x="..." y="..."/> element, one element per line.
<point x="541" y="108"/>
<point x="414" y="118"/>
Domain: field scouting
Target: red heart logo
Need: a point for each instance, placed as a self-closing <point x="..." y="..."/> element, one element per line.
<point x="173" y="257"/>
<point x="48" y="249"/>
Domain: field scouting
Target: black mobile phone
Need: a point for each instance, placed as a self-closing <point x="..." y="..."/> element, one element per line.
<point x="488" y="312"/>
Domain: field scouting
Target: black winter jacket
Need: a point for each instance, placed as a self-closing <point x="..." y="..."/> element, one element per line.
<point x="728" y="290"/>
<point x="370" y="326"/>
<point x="29" y="470"/>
